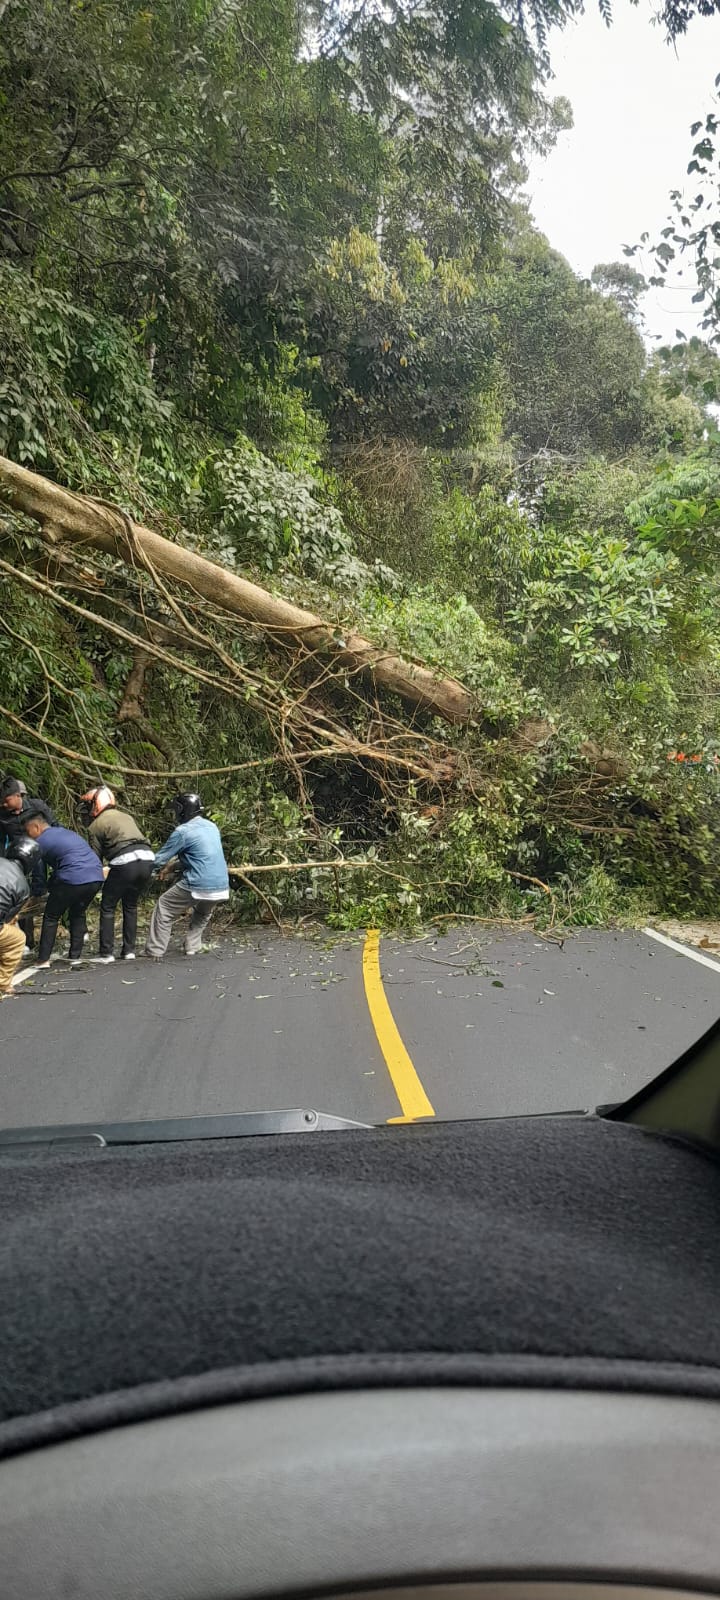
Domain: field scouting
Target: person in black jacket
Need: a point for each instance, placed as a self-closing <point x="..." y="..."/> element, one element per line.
<point x="14" y="893"/>
<point x="12" y="799"/>
<point x="14" y="802"/>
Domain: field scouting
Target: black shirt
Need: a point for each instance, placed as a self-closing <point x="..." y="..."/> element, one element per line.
<point x="14" y="890"/>
<point x="12" y="828"/>
<point x="12" y="823"/>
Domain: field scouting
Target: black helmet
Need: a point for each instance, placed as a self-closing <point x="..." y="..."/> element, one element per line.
<point x="186" y="806"/>
<point x="23" y="850"/>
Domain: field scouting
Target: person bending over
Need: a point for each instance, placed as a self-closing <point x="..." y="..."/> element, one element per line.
<point x="15" y="873"/>
<point x="76" y="878"/>
<point x="116" y="838"/>
<point x="196" y="843"/>
<point x="13" y="802"/>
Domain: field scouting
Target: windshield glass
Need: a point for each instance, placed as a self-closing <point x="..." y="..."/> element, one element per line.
<point x="359" y="511"/>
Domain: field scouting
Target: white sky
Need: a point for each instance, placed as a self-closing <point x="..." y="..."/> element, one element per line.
<point x="609" y="178"/>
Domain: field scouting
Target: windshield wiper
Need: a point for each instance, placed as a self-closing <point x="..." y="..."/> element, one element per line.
<point x="240" y="1125"/>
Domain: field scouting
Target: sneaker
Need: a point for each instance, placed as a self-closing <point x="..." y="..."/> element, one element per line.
<point x="43" y="966"/>
<point x="77" y="961"/>
<point x="128" y="955"/>
<point x="101" y="961"/>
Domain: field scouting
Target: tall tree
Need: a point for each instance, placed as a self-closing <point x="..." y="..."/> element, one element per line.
<point x="573" y="362"/>
<point x="621" y="283"/>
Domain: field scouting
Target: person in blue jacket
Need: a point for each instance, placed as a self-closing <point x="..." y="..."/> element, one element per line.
<point x="76" y="877"/>
<point x="196" y="843"/>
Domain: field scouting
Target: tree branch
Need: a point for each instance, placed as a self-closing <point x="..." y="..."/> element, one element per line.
<point x="130" y="708"/>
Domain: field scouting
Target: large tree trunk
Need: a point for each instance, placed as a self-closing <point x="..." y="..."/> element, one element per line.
<point x="79" y="519"/>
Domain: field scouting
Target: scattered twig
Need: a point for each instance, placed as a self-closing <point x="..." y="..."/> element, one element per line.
<point x="526" y="878"/>
<point x="47" y="994"/>
<point x="458" y="966"/>
<point x="489" y="922"/>
<point x="237" y="873"/>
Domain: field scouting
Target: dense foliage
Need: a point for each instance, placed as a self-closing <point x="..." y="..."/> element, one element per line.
<point x="267" y="282"/>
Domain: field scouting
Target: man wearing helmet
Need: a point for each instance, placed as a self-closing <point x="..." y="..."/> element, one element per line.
<point x="196" y="843"/>
<point x="15" y="873"/>
<point x="116" y="838"/>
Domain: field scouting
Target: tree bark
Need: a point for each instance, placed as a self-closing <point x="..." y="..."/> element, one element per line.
<point x="131" y="710"/>
<point x="77" y="519"/>
<point x="130" y="707"/>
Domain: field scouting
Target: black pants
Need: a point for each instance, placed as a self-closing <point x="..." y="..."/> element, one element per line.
<point x="75" y="899"/>
<point x="125" y="884"/>
<point x="26" y="925"/>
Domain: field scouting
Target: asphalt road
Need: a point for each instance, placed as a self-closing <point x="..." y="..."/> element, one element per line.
<point x="479" y="1024"/>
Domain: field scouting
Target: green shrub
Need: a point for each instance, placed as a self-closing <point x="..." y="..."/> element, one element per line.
<point x="270" y="515"/>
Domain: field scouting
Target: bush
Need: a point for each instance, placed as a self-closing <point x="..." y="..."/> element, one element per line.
<point x="588" y="598"/>
<point x="452" y="637"/>
<point x="270" y="515"/>
<point x="77" y="399"/>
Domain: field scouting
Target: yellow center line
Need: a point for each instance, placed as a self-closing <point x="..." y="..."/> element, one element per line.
<point x="406" y="1083"/>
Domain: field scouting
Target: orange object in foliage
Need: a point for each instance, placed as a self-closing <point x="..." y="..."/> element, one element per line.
<point x="679" y="755"/>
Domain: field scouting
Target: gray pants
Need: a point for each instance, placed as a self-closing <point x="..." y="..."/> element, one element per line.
<point x="171" y="905"/>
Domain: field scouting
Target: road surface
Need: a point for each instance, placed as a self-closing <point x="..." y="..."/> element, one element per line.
<point x="472" y="1023"/>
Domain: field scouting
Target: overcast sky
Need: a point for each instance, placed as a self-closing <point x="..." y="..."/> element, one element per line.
<point x="609" y="179"/>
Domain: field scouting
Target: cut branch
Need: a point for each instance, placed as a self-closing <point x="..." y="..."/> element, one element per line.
<point x="78" y="519"/>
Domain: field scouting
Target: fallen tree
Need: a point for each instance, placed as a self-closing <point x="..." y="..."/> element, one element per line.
<point x="78" y="519"/>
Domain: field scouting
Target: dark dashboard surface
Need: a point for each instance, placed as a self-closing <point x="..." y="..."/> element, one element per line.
<point x="138" y="1280"/>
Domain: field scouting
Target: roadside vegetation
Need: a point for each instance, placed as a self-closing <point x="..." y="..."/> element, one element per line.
<point x="268" y="284"/>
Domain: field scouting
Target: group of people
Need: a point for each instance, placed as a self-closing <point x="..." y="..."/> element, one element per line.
<point x="45" y="865"/>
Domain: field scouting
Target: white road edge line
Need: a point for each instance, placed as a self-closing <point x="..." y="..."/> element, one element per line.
<point x="29" y="972"/>
<point x="20" y="977"/>
<point x="682" y="949"/>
